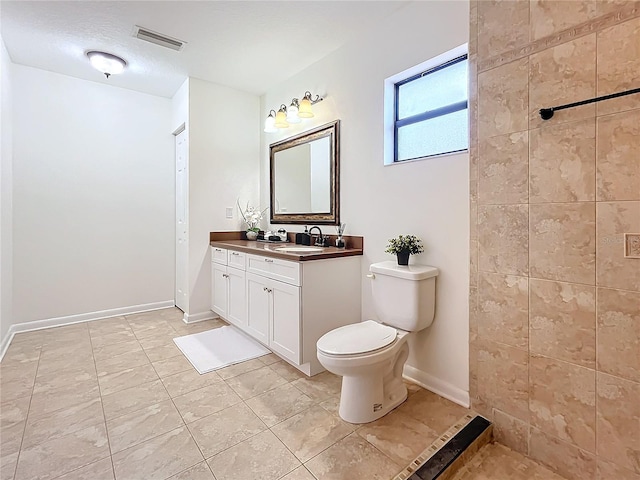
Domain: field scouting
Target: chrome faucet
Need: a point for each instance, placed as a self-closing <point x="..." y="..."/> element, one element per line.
<point x="319" y="237"/>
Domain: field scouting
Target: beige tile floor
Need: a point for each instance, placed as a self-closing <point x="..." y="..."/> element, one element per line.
<point x="115" y="399"/>
<point x="497" y="462"/>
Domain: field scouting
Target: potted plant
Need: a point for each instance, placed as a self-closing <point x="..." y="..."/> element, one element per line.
<point x="403" y="246"/>
<point x="252" y="216"/>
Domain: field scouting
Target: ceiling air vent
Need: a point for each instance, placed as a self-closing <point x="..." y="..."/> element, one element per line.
<point x="158" y="38"/>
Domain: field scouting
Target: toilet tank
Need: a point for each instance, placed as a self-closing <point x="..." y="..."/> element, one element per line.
<point x="404" y="296"/>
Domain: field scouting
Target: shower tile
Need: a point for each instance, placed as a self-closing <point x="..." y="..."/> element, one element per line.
<point x="496" y="36"/>
<point x="503" y="99"/>
<point x="503" y="304"/>
<point x="504" y="371"/>
<point x="562" y="401"/>
<point x="618" y="168"/>
<point x="618" y="421"/>
<point x="562" y="321"/>
<point x="503" y="239"/>
<point x="552" y="16"/>
<point x="619" y="64"/>
<point x="613" y="270"/>
<point x="608" y="470"/>
<point x="562" y="163"/>
<point x="503" y="169"/>
<point x="563" y="74"/>
<point x="619" y="333"/>
<point x="511" y="431"/>
<point x="568" y="460"/>
<point x="562" y="242"/>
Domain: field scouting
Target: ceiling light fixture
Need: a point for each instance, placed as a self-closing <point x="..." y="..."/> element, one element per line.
<point x="298" y="110"/>
<point x="106" y="63"/>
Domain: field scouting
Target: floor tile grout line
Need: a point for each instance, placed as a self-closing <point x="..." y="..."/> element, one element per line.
<point x="26" y="420"/>
<point x="104" y="415"/>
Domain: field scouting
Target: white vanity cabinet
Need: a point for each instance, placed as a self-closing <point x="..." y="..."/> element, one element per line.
<point x="228" y="286"/>
<point x="273" y="315"/>
<point x="288" y="305"/>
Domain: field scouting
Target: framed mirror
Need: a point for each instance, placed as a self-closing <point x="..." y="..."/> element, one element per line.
<point x="305" y="177"/>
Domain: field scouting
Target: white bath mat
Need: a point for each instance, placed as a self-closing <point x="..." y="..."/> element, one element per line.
<point x="218" y="348"/>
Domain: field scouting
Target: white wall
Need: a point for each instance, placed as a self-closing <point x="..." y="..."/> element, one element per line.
<point x="93" y="197"/>
<point x="224" y="166"/>
<point x="6" y="192"/>
<point x="427" y="198"/>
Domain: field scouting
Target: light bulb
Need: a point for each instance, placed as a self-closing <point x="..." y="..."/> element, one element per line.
<point x="292" y="112"/>
<point x="106" y="63"/>
<point x="305" y="108"/>
<point x="269" y="123"/>
<point x="281" y="118"/>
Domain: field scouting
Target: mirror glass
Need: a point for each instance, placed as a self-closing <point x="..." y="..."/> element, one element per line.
<point x="305" y="179"/>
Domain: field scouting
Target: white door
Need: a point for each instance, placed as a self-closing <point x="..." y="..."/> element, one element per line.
<point x="182" y="241"/>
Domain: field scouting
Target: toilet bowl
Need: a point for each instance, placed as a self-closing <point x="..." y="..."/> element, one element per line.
<point x="371" y="373"/>
<point x="370" y="355"/>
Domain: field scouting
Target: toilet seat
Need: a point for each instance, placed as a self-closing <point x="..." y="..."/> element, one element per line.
<point x="357" y="339"/>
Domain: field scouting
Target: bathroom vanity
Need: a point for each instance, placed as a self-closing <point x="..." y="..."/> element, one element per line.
<point x="286" y="296"/>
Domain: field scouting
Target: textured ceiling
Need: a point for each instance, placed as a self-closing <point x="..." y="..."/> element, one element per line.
<point x="247" y="45"/>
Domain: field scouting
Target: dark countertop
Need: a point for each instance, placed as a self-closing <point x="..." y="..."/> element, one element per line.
<point x="269" y="250"/>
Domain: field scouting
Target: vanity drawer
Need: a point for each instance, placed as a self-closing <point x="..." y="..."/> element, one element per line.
<point x="219" y="255"/>
<point x="236" y="259"/>
<point x="283" y="270"/>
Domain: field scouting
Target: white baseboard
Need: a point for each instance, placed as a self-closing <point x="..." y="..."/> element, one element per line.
<point x="198" y="317"/>
<point x="78" y="318"/>
<point x="436" y="385"/>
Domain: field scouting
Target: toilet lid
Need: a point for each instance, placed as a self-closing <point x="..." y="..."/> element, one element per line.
<point x="357" y="338"/>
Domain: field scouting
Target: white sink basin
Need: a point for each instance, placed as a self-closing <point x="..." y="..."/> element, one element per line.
<point x="298" y="249"/>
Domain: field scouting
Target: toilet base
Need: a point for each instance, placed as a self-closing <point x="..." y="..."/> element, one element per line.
<point x="366" y="398"/>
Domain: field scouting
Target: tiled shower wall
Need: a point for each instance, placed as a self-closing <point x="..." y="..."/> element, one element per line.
<point x="555" y="307"/>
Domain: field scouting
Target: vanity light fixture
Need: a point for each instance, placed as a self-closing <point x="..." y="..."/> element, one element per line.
<point x="270" y="122"/>
<point x="106" y="63"/>
<point x="292" y="112"/>
<point x="286" y="116"/>
<point x="281" y="117"/>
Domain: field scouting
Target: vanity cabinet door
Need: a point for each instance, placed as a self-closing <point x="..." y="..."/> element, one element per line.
<point x="258" y="307"/>
<point x="285" y="323"/>
<point x="237" y="304"/>
<point x="219" y="289"/>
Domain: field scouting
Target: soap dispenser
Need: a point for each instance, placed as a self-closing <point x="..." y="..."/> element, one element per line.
<point x="306" y="237"/>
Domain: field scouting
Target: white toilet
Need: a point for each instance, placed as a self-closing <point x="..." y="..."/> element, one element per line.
<point x="369" y="355"/>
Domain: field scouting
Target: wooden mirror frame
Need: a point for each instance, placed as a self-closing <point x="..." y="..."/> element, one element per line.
<point x="332" y="130"/>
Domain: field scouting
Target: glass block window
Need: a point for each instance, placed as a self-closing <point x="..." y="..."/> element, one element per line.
<point x="431" y="116"/>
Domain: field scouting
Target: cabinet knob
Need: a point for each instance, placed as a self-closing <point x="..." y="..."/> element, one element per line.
<point x="268" y="260"/>
<point x="371" y="275"/>
<point x="269" y="290"/>
<point x="264" y="289"/>
<point x="225" y="275"/>
<point x="235" y="253"/>
<point x="218" y="250"/>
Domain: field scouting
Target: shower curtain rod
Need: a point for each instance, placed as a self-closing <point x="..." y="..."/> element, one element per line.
<point x="547" y="113"/>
